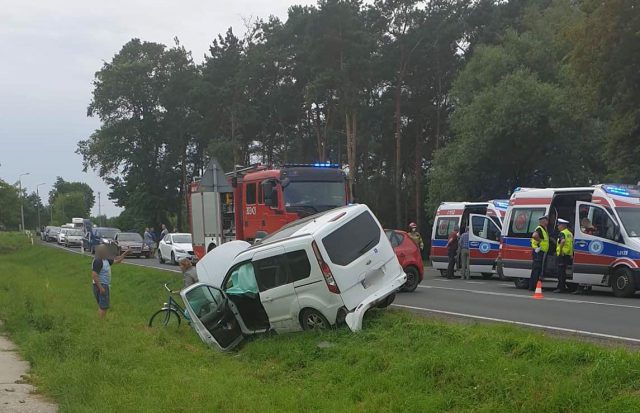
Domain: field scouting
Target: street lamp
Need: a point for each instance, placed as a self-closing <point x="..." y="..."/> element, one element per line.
<point x="22" y="198"/>
<point x="38" y="205"/>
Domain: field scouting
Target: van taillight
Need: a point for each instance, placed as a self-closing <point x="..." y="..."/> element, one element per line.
<point x="326" y="271"/>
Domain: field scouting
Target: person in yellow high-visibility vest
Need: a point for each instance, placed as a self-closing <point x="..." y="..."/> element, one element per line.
<point x="539" y="249"/>
<point x="564" y="251"/>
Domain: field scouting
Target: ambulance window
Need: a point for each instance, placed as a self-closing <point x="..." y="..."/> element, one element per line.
<point x="602" y="223"/>
<point x="251" y="194"/>
<point x="445" y="227"/>
<point x="524" y="221"/>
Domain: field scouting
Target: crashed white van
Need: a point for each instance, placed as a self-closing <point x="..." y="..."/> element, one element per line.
<point x="314" y="272"/>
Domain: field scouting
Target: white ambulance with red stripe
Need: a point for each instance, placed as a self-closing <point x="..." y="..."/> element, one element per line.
<point x="485" y="222"/>
<point x="605" y="221"/>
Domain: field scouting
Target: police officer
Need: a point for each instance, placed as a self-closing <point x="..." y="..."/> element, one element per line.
<point x="539" y="249"/>
<point x="415" y="235"/>
<point x="564" y="251"/>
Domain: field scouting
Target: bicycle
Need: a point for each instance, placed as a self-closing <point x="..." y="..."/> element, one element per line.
<point x="171" y="312"/>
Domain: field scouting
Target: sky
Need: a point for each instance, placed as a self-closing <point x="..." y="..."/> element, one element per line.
<point x="49" y="53"/>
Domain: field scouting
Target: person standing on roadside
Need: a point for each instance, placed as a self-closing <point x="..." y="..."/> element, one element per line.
<point x="164" y="231"/>
<point x="101" y="275"/>
<point x="452" y="251"/>
<point x="148" y="240"/>
<point x="539" y="249"/>
<point x="415" y="235"/>
<point x="189" y="272"/>
<point x="564" y="251"/>
<point x="464" y="255"/>
<point x="154" y="238"/>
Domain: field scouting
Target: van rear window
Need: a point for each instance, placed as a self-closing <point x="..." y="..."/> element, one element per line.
<point x="353" y="239"/>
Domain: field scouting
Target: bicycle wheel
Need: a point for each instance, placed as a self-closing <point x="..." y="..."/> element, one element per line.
<point x="165" y="317"/>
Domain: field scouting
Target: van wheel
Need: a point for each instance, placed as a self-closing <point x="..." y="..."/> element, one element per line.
<point x="622" y="283"/>
<point x="443" y="273"/>
<point x="311" y="319"/>
<point x="521" y="283"/>
<point x="487" y="275"/>
<point x="413" y="279"/>
<point x="387" y="301"/>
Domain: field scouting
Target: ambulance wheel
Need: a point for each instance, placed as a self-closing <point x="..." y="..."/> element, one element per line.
<point x="521" y="283"/>
<point x="311" y="319"/>
<point x="443" y="273"/>
<point x="487" y="275"/>
<point x="572" y="287"/>
<point x="622" y="283"/>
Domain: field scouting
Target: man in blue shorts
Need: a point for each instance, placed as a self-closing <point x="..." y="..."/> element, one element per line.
<point x="101" y="274"/>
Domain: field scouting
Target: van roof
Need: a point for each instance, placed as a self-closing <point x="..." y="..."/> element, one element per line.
<point x="309" y="225"/>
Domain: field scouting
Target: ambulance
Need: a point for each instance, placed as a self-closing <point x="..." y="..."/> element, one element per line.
<point x="484" y="238"/>
<point x="605" y="221"/>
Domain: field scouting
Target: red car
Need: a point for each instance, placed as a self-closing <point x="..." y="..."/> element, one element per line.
<point x="409" y="256"/>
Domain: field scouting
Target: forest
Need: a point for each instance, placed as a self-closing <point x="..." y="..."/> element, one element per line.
<point x="423" y="101"/>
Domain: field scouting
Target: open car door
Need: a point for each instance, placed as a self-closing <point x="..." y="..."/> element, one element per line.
<point x="484" y="243"/>
<point x="212" y="317"/>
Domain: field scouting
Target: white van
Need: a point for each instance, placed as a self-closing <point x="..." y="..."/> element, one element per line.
<point x="312" y="273"/>
<point x="605" y="221"/>
<point x="484" y="220"/>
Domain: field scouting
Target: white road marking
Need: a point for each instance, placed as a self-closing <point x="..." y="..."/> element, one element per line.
<point x="442" y="280"/>
<point x="475" y="282"/>
<point x="563" y="300"/>
<point x="521" y="323"/>
<point x="506" y="284"/>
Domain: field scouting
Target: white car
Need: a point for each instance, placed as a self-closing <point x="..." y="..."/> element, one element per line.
<point x="73" y="237"/>
<point x="311" y="274"/>
<point x="62" y="235"/>
<point x="175" y="247"/>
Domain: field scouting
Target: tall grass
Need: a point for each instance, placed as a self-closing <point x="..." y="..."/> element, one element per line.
<point x="398" y="363"/>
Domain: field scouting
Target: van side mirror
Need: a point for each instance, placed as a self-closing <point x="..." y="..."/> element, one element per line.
<point x="269" y="193"/>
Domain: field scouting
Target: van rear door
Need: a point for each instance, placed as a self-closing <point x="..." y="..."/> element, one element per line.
<point x="484" y="243"/>
<point x="363" y="261"/>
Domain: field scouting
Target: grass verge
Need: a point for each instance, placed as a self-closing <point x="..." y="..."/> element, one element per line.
<point x="398" y="363"/>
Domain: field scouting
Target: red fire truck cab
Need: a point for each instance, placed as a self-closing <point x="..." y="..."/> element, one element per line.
<point x="243" y="203"/>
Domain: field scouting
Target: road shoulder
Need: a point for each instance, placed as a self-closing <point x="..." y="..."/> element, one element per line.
<point x="17" y="396"/>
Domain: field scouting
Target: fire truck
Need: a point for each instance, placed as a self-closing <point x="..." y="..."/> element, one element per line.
<point x="252" y="201"/>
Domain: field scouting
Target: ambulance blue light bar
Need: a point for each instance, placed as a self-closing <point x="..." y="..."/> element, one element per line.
<point x="622" y="190"/>
<point x="312" y="165"/>
<point x="501" y="204"/>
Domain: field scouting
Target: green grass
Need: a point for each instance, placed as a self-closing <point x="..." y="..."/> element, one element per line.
<point x="398" y="363"/>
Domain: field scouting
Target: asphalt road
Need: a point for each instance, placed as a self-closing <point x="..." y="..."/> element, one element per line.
<point x="598" y="315"/>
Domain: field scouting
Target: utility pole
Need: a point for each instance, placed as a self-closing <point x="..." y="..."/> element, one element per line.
<point x="99" y="211"/>
<point x="22" y="199"/>
<point x="38" y="206"/>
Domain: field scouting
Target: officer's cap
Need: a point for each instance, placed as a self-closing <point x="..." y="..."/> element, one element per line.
<point x="562" y="221"/>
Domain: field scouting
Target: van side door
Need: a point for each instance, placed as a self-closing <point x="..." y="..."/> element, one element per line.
<point x="595" y="250"/>
<point x="484" y="243"/>
<point x="277" y="293"/>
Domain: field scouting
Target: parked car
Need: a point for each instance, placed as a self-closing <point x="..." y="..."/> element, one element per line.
<point x="51" y="234"/>
<point x="98" y="236"/>
<point x="132" y="242"/>
<point x="409" y="257"/>
<point x="73" y="237"/>
<point x="311" y="274"/>
<point x="175" y="247"/>
<point x="62" y="235"/>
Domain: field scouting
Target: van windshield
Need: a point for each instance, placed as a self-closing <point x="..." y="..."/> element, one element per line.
<point x="630" y="218"/>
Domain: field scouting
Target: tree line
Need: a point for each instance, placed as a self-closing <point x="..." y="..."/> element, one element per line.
<point x="425" y="101"/>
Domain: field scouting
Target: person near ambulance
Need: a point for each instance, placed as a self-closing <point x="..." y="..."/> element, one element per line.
<point x="539" y="250"/>
<point x="452" y="252"/>
<point x="415" y="235"/>
<point x="564" y="251"/>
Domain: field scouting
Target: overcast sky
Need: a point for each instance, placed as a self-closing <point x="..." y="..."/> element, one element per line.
<point x="49" y="52"/>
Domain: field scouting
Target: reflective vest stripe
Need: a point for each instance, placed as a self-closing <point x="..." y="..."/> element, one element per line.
<point x="543" y="243"/>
